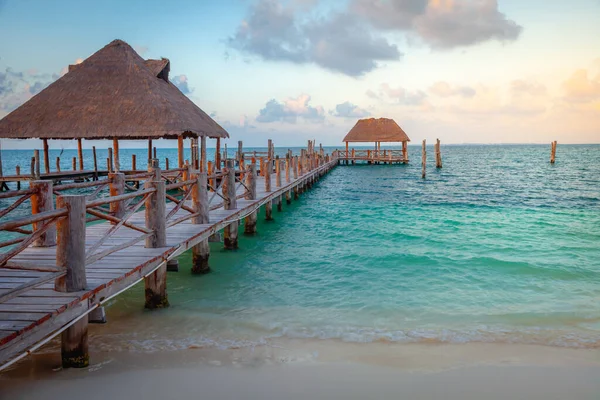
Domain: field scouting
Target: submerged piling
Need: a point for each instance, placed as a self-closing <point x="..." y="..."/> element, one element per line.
<point x="553" y="152"/>
<point x="423" y="160"/>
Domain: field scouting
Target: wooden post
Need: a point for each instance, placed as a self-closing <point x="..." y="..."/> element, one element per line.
<point x="117" y="159"/>
<point x="80" y="153"/>
<point x="405" y="151"/>
<point x="149" y="150"/>
<point x="287" y="168"/>
<point x="42" y="200"/>
<point x="553" y="152"/>
<point x="33" y="167"/>
<point x="230" y="237"/>
<point x="74" y="163"/>
<point x="46" y="157"/>
<point x="36" y="155"/>
<point x="277" y="172"/>
<point x="347" y="153"/>
<point x="268" y="167"/>
<point x="133" y="162"/>
<point x="250" y="220"/>
<point x="18" y="171"/>
<point x="218" y="155"/>
<point x="295" y="167"/>
<point x="156" y="283"/>
<point x="423" y="161"/>
<point x="438" y="154"/>
<point x="203" y="161"/>
<point x="262" y="167"/>
<point x="225" y="157"/>
<point x="240" y="154"/>
<point x="209" y="170"/>
<point x="193" y="152"/>
<point x="111" y="167"/>
<point x="200" y="251"/>
<point x="95" y="159"/>
<point x="167" y="163"/>
<point x="117" y="188"/>
<point x="1" y="159"/>
<point x="70" y="256"/>
<point x="154" y="150"/>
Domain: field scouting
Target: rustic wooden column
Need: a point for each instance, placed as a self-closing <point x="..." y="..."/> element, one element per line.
<point x="250" y="220"/>
<point x="156" y="283"/>
<point x="287" y="168"/>
<point x="70" y="256"/>
<point x="278" y="181"/>
<point x="57" y="164"/>
<point x="438" y="154"/>
<point x="117" y="188"/>
<point x="149" y="150"/>
<point x="209" y="170"/>
<point x="268" y="165"/>
<point x="110" y="160"/>
<point x="80" y="153"/>
<point x="295" y="167"/>
<point x="240" y="152"/>
<point x="116" y="155"/>
<point x="262" y="166"/>
<point x="133" y="162"/>
<point x="95" y="159"/>
<point x="230" y="237"/>
<point x="405" y="151"/>
<point x="41" y="201"/>
<point x="74" y="163"/>
<point x="36" y="165"/>
<point x="423" y="160"/>
<point x="200" y="251"/>
<point x="553" y="152"/>
<point x="218" y="155"/>
<point x="46" y="157"/>
<point x="203" y="161"/>
<point x="180" y="157"/>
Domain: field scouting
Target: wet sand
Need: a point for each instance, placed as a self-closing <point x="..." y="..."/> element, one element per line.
<point x="295" y="369"/>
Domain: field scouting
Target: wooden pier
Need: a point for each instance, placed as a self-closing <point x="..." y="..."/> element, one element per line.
<point x="59" y="269"/>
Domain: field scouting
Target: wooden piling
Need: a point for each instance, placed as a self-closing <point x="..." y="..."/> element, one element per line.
<point x="117" y="158"/>
<point x="70" y="256"/>
<point x="267" y="175"/>
<point x="80" y="153"/>
<point x="133" y="162"/>
<point x="154" y="150"/>
<point x="438" y="154"/>
<point x="95" y="159"/>
<point x="57" y="164"/>
<point x="250" y="220"/>
<point x="149" y="150"/>
<point x="74" y="163"/>
<point x="553" y="152"/>
<point x="230" y="237"/>
<point x="36" y="155"/>
<point x="111" y="167"/>
<point x="117" y="188"/>
<point x="200" y="251"/>
<point x="218" y="155"/>
<point x="423" y="160"/>
<point x="203" y="160"/>
<point x="277" y="172"/>
<point x="18" y="172"/>
<point x="33" y="167"/>
<point x="156" y="283"/>
<point x="167" y="163"/>
<point x="295" y="166"/>
<point x="46" y="156"/>
<point x="287" y="168"/>
<point x="209" y="170"/>
<point x="41" y="201"/>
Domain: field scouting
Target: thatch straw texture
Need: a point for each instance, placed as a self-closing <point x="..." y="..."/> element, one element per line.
<point x="113" y="94"/>
<point x="376" y="130"/>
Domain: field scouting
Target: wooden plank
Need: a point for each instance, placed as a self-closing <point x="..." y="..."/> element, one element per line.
<point x="4" y="316"/>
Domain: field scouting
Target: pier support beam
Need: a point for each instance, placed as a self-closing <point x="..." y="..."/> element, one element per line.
<point x="438" y="154"/>
<point x="201" y="251"/>
<point x="70" y="256"/>
<point x="173" y="265"/>
<point x="156" y="283"/>
<point x="553" y="152"/>
<point x="97" y="316"/>
<point x="423" y="160"/>
<point x="230" y="239"/>
<point x="250" y="220"/>
<point x="42" y="201"/>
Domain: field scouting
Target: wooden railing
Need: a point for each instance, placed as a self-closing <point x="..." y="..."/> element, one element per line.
<point x="381" y="155"/>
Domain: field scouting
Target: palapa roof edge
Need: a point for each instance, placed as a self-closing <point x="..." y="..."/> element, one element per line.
<point x="376" y="130"/>
<point x="114" y="93"/>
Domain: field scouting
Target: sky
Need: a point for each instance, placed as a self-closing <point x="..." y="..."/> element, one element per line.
<point x="463" y="71"/>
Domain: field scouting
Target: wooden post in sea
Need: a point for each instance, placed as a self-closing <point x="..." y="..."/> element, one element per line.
<point x="240" y="152"/>
<point x="217" y="165"/>
<point x="46" y="156"/>
<point x="287" y="168"/>
<point x="74" y="163"/>
<point x="95" y="160"/>
<point x="405" y="151"/>
<point x="203" y="161"/>
<point x="18" y="172"/>
<point x="278" y="181"/>
<point x="200" y="251"/>
<point x="32" y="171"/>
<point x="41" y="201"/>
<point x="179" y="151"/>
<point x="209" y="170"/>
<point x="149" y="150"/>
<point x="70" y="257"/>
<point x="36" y="155"/>
<point x="438" y="154"/>
<point x="553" y="152"/>
<point x="423" y="161"/>
<point x="111" y="167"/>
<point x="117" y="158"/>
<point x="295" y="167"/>
<point x="80" y="153"/>
<point x="268" y="204"/>
<point x="133" y="162"/>
<point x="117" y="188"/>
<point x="57" y="164"/>
<point x="156" y="283"/>
<point x="250" y="220"/>
<point x="230" y="233"/>
<point x="154" y="151"/>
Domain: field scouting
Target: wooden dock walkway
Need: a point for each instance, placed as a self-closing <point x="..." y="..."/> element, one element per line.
<point x="50" y="289"/>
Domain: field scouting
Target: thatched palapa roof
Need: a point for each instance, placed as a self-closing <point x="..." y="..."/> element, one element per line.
<point x="114" y="93"/>
<point x="376" y="130"/>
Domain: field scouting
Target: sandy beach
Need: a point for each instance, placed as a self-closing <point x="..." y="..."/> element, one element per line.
<point x="295" y="369"/>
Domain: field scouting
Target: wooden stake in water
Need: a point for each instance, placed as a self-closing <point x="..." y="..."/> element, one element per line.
<point x="423" y="160"/>
<point x="438" y="155"/>
<point x="553" y="152"/>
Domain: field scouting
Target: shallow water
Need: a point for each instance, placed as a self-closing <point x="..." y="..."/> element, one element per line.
<point x="498" y="246"/>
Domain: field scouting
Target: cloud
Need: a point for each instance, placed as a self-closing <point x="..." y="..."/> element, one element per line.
<point x="349" y="110"/>
<point x="18" y="87"/>
<point x="339" y="42"/>
<point x="402" y="95"/>
<point x="290" y="110"/>
<point x="580" y="88"/>
<point x="521" y="87"/>
<point x="443" y="89"/>
<point x="181" y="82"/>
<point x="355" y="39"/>
<point x="372" y="94"/>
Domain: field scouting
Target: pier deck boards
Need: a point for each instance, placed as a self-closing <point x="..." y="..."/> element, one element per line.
<point x="39" y="312"/>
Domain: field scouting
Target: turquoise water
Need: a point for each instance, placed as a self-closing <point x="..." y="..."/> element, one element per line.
<point x="498" y="246"/>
